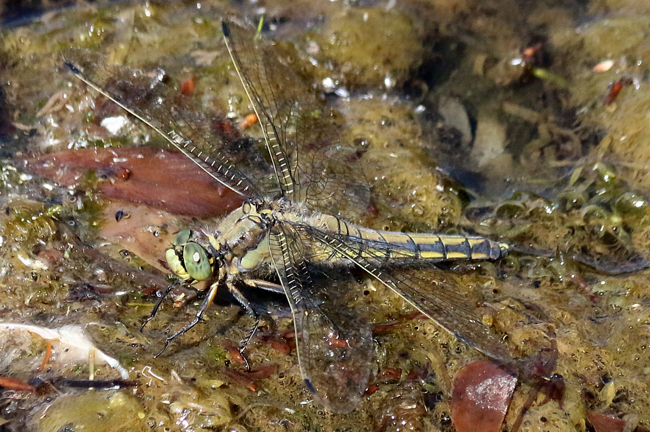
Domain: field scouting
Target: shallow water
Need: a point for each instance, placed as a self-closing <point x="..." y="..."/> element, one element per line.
<point x="467" y="119"/>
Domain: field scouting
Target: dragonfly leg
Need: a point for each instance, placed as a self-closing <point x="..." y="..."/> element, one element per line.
<point x="265" y="285"/>
<point x="159" y="302"/>
<point x="249" y="308"/>
<point x="206" y="302"/>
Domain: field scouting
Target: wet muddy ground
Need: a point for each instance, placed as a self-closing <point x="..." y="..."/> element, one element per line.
<point x="525" y="123"/>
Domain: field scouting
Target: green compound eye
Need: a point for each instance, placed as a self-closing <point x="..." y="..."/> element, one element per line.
<point x="196" y="261"/>
<point x="175" y="264"/>
<point x="182" y="237"/>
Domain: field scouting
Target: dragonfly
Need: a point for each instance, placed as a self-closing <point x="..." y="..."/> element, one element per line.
<point x="296" y="220"/>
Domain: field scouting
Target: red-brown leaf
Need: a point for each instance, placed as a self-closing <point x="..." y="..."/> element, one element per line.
<point x="605" y="422"/>
<point x="162" y="179"/>
<point x="481" y="397"/>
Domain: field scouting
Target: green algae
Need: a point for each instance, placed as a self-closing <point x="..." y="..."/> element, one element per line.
<point x="94" y="411"/>
<point x="368" y="48"/>
<point x="595" y="209"/>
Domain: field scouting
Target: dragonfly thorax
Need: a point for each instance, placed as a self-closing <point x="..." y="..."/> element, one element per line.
<point x="243" y="235"/>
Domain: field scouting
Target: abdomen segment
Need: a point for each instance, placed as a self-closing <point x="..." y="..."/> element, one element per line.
<point x="391" y="246"/>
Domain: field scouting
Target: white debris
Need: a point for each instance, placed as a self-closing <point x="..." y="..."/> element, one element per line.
<point x="114" y="124"/>
<point x="603" y="66"/>
<point x="74" y="338"/>
<point x="491" y="140"/>
<point x="454" y="115"/>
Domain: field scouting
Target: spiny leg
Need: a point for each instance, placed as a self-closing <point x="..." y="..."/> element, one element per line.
<point x="265" y="285"/>
<point x="206" y="302"/>
<point x="159" y="302"/>
<point x="249" y="308"/>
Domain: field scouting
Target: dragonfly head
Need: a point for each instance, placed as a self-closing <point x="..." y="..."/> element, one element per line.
<point x="189" y="260"/>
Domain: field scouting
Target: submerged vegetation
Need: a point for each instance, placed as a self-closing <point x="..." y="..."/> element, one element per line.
<point x="529" y="130"/>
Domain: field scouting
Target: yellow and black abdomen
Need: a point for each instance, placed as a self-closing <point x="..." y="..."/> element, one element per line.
<point x="434" y="247"/>
<point x="393" y="247"/>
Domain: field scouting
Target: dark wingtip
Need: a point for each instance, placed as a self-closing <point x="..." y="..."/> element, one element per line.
<point x="72" y="67"/>
<point x="309" y="385"/>
<point x="225" y="28"/>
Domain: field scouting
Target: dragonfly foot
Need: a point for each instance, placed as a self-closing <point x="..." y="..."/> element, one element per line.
<point x="156" y="306"/>
<point x="163" y="348"/>
<point x="171" y="338"/>
<point x="197" y="318"/>
<point x="241" y="354"/>
<point x="244" y="342"/>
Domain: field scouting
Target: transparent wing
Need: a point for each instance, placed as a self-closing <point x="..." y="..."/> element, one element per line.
<point x="199" y="136"/>
<point x="442" y="304"/>
<point x="334" y="357"/>
<point x="303" y="140"/>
